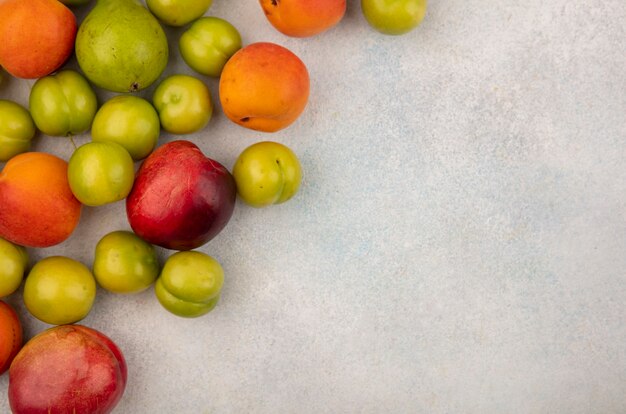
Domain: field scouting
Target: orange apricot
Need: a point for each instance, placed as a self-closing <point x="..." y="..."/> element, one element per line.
<point x="10" y="335"/>
<point x="37" y="36"/>
<point x="264" y="87"/>
<point x="303" y="18"/>
<point x="37" y="207"/>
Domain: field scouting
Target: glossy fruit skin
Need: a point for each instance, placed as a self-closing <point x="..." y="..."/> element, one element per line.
<point x="124" y="263"/>
<point x="37" y="206"/>
<point x="37" y="36"/>
<point x="394" y="17"/>
<point x="121" y="46"/>
<point x="17" y="129"/>
<point x="180" y="217"/>
<point x="303" y="18"/>
<point x="264" y="87"/>
<point x="267" y="173"/>
<point x="178" y="12"/>
<point x="190" y="284"/>
<point x="67" y="369"/>
<point x="130" y="121"/>
<point x="184" y="104"/>
<point x="100" y="173"/>
<point x="63" y="104"/>
<point x="13" y="263"/>
<point x="11" y="335"/>
<point x="59" y="290"/>
<point x="208" y="44"/>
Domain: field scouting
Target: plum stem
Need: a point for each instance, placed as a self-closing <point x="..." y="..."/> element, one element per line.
<point x="71" y="137"/>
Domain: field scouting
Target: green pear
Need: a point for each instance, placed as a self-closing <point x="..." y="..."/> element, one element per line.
<point x="120" y="46"/>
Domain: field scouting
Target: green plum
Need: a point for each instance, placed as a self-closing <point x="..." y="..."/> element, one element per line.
<point x="208" y="44"/>
<point x="59" y="290"/>
<point x="184" y="104"/>
<point x="394" y="17"/>
<point x="100" y="173"/>
<point x="13" y="262"/>
<point x="129" y="121"/>
<point x="190" y="284"/>
<point x="181" y="307"/>
<point x="124" y="263"/>
<point x="267" y="173"/>
<point x="17" y="129"/>
<point x="178" y="12"/>
<point x="63" y="104"/>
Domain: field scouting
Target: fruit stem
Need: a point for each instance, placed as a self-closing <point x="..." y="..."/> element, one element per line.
<point x="71" y="137"/>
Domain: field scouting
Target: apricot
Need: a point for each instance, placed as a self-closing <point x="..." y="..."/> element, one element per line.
<point x="37" y="36"/>
<point x="303" y="18"/>
<point x="264" y="87"/>
<point x="37" y="207"/>
<point x="10" y="335"/>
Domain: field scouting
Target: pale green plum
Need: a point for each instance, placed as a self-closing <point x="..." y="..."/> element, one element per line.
<point x="208" y="44"/>
<point x="100" y="173"/>
<point x="124" y="263"/>
<point x="190" y="283"/>
<point x="13" y="263"/>
<point x="394" y="17"/>
<point x="129" y="121"/>
<point x="267" y="173"/>
<point x="59" y="290"/>
<point x="178" y="12"/>
<point x="183" y="103"/>
<point x="63" y="104"/>
<point x="181" y="307"/>
<point x="17" y="129"/>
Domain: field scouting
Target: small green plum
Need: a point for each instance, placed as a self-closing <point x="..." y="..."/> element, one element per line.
<point x="208" y="44"/>
<point x="63" y="104"/>
<point x="267" y="173"/>
<point x="100" y="173"/>
<point x="129" y="121"/>
<point x="178" y="12"/>
<point x="13" y="263"/>
<point x="124" y="263"/>
<point x="181" y="307"/>
<point x="190" y="283"/>
<point x="59" y="290"/>
<point x="17" y="129"/>
<point x="184" y="104"/>
<point x="394" y="17"/>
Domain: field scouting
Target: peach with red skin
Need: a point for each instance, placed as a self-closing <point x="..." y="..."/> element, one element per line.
<point x="37" y="207"/>
<point x="67" y="369"/>
<point x="10" y="335"/>
<point x="264" y="87"/>
<point x="303" y="18"/>
<point x="181" y="199"/>
<point x="37" y="36"/>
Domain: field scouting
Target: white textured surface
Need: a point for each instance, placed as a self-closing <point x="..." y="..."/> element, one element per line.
<point x="458" y="245"/>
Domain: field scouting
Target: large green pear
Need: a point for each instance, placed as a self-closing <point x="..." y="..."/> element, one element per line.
<point x="120" y="46"/>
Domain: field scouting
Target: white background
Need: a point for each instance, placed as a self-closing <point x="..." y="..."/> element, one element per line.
<point x="458" y="244"/>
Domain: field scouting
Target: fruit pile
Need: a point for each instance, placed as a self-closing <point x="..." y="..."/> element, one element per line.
<point x="178" y="199"/>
